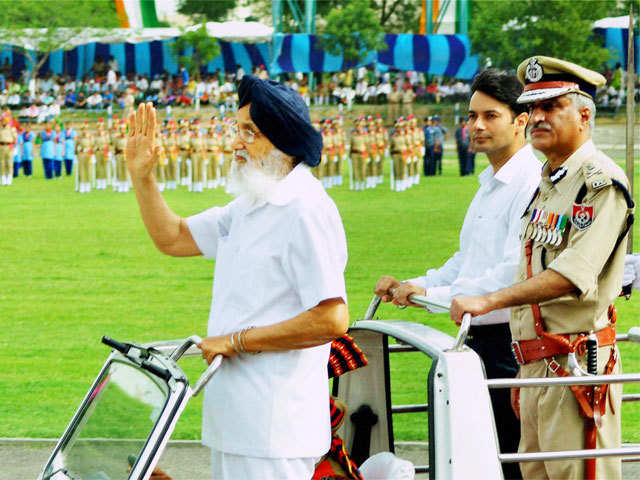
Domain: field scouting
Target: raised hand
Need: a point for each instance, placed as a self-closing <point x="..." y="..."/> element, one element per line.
<point x="140" y="151"/>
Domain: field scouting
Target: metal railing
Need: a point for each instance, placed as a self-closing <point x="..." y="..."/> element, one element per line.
<point x="630" y="453"/>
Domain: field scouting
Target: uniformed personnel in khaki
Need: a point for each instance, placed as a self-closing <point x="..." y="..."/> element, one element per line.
<point x="574" y="236"/>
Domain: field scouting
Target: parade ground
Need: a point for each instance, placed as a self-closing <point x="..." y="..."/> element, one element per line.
<point x="77" y="267"/>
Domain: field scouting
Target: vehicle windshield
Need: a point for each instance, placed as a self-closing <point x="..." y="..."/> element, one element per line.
<point x="123" y="407"/>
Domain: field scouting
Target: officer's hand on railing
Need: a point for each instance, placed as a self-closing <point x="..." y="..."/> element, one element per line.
<point x="473" y="305"/>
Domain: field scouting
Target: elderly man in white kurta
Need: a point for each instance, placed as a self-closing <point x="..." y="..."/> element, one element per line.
<point x="278" y="294"/>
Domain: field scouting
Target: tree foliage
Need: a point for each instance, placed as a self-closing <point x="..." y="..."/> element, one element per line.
<point x="205" y="49"/>
<point x="353" y="31"/>
<point x="206" y="10"/>
<point x="507" y="32"/>
<point x="44" y="30"/>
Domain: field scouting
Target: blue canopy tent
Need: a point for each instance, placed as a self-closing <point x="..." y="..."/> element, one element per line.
<point x="434" y="54"/>
<point x="615" y="31"/>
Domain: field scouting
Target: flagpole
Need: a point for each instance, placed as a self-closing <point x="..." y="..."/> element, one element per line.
<point x="630" y="115"/>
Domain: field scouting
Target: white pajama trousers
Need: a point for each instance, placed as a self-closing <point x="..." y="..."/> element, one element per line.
<point x="226" y="466"/>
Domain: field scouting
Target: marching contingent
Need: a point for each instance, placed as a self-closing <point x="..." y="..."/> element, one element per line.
<point x="197" y="157"/>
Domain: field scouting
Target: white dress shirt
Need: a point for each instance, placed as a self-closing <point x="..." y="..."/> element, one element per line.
<point x="489" y="239"/>
<point x="274" y="260"/>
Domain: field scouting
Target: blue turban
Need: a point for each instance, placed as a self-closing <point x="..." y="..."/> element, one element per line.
<point x="282" y="116"/>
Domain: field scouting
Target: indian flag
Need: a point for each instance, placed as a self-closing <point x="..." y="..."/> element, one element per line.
<point x="137" y="13"/>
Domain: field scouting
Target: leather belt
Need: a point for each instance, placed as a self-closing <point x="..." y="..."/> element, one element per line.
<point x="527" y="351"/>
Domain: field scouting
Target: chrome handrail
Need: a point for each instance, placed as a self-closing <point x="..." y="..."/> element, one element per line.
<point x="423" y="301"/>
<point x="555" y="381"/>
<point x="565" y="454"/>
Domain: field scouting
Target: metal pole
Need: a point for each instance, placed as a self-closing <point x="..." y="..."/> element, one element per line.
<point x="556" y="381"/>
<point x="630" y="115"/>
<point x="562" y="455"/>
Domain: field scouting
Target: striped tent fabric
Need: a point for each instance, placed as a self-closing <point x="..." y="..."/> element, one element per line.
<point x="616" y="40"/>
<point x="146" y="58"/>
<point x="433" y="54"/>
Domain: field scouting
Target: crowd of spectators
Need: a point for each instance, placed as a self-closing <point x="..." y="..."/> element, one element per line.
<point x="44" y="97"/>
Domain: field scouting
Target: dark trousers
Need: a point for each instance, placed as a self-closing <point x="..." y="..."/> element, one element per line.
<point x="437" y="161"/>
<point x="27" y="168"/>
<point x="57" y="168"/>
<point x="16" y="169"/>
<point x="462" y="161"/>
<point x="471" y="163"/>
<point x="47" y="164"/>
<point x="492" y="343"/>
<point x="428" y="165"/>
<point x="68" y="166"/>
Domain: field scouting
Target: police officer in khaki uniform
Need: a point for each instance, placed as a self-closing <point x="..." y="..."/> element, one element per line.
<point x="184" y="157"/>
<point x="399" y="154"/>
<point x="101" y="152"/>
<point x="408" y="96"/>
<point x="171" y="147"/>
<point x="198" y="157"/>
<point x="8" y="138"/>
<point x="340" y="141"/>
<point x="359" y="155"/>
<point x="374" y="157"/>
<point x="119" y="143"/>
<point x="214" y="155"/>
<point x="574" y="237"/>
<point x="84" y="152"/>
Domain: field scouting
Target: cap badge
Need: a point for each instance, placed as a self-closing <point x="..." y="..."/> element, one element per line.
<point x="534" y="71"/>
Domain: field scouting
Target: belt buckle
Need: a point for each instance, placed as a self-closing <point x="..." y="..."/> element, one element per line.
<point x="517" y="352"/>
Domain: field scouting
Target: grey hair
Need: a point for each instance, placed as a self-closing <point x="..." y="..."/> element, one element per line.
<point x="581" y="101"/>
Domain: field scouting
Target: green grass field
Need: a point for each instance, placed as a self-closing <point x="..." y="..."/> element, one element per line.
<point x="76" y="267"/>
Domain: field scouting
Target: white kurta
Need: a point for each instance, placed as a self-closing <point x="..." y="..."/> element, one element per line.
<point x="489" y="239"/>
<point x="274" y="261"/>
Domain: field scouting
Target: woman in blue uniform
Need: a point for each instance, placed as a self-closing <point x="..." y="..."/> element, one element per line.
<point x="17" y="153"/>
<point x="28" y="138"/>
<point x="47" y="150"/>
<point x="59" y="151"/>
<point x="69" y="135"/>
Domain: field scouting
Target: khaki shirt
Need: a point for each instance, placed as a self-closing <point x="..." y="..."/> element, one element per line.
<point x="8" y="135"/>
<point x="394" y="97"/>
<point x="398" y="142"/>
<point x="584" y="256"/>
<point x="408" y="95"/>
<point x="358" y="143"/>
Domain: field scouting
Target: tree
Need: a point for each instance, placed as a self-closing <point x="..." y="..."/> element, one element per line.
<point x="394" y="16"/>
<point x="352" y="31"/>
<point x="206" y="10"/>
<point x="505" y="33"/>
<point x="205" y="49"/>
<point x="30" y="29"/>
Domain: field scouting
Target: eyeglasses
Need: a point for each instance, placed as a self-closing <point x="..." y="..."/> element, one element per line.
<point x="246" y="134"/>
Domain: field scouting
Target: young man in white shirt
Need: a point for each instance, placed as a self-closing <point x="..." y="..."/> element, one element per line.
<point x="489" y="240"/>
<point x="278" y="296"/>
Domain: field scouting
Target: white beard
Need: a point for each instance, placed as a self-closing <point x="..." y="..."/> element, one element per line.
<point x="252" y="181"/>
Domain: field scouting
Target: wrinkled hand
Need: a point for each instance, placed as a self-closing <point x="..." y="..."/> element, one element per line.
<point x="402" y="292"/>
<point x="473" y="305"/>
<point x="384" y="286"/>
<point x="212" y="346"/>
<point x="515" y="401"/>
<point x="141" y="153"/>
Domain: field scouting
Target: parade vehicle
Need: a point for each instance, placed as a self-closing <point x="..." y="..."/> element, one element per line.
<point x="144" y="385"/>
